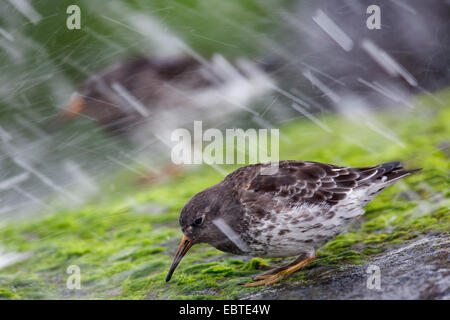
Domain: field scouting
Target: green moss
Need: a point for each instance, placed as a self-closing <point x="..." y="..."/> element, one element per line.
<point x="223" y="270"/>
<point x="7" y="294"/>
<point x="200" y="267"/>
<point x="124" y="250"/>
<point x="254" y="264"/>
<point x="369" y="250"/>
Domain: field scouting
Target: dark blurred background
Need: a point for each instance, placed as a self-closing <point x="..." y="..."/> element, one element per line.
<point x="258" y="57"/>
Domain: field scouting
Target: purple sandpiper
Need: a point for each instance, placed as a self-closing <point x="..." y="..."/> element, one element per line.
<point x="293" y="212"/>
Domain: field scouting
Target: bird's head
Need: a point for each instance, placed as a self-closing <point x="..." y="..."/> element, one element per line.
<point x="196" y="221"/>
<point x="201" y="220"/>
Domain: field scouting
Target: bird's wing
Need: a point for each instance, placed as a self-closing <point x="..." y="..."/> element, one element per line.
<point x="311" y="182"/>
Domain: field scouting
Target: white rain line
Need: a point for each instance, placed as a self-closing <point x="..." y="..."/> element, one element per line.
<point x="43" y="178"/>
<point x="268" y="106"/>
<point x="290" y="96"/>
<point x="7" y="209"/>
<point x="323" y="73"/>
<point x="31" y="83"/>
<point x="10" y="182"/>
<point x="313" y="105"/>
<point x="7" y="259"/>
<point x="249" y="110"/>
<point x="24" y="7"/>
<point x="239" y="105"/>
<point x="122" y="164"/>
<point x="163" y="141"/>
<point x="142" y="24"/>
<point x="386" y="92"/>
<point x="145" y="145"/>
<point x="198" y="57"/>
<point x="297" y="24"/>
<point x="263" y="122"/>
<point x="405" y="6"/>
<point x="390" y="92"/>
<point x="102" y="38"/>
<point x="31" y="127"/>
<point x="123" y="25"/>
<point x="374" y="87"/>
<point x="233" y="236"/>
<point x="120" y="121"/>
<point x="70" y="141"/>
<point x="263" y="40"/>
<point x="154" y="170"/>
<point x="433" y="96"/>
<point x="79" y="175"/>
<point x="100" y="100"/>
<point x="213" y="40"/>
<point x="223" y="68"/>
<point x="12" y="51"/>
<point x="75" y="65"/>
<point x="322" y="87"/>
<point x="6" y="34"/>
<point x="267" y="125"/>
<point x="132" y="100"/>
<point x="157" y="33"/>
<point x="215" y="92"/>
<point x="4" y="135"/>
<point x="152" y="30"/>
<point x="311" y="117"/>
<point x="31" y="197"/>
<point x="388" y="63"/>
<point x="385" y="134"/>
<point x="217" y="168"/>
<point x="333" y="30"/>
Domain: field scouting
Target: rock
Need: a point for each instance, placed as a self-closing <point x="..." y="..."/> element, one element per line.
<point x="419" y="269"/>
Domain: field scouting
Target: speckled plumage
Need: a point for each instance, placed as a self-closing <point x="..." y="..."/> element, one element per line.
<point x="292" y="212"/>
<point x="305" y="204"/>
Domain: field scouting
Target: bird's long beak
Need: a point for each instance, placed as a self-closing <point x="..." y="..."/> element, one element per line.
<point x="185" y="245"/>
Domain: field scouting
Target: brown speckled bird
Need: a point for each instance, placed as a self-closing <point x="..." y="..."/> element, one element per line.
<point x="108" y="96"/>
<point x="293" y="212"/>
<point x="145" y="99"/>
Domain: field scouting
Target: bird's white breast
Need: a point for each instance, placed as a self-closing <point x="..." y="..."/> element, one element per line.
<point x="303" y="228"/>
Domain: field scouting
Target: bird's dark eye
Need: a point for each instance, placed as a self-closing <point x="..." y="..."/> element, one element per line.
<point x="198" y="221"/>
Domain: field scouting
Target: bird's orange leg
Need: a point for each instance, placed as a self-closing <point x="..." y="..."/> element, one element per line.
<point x="273" y="276"/>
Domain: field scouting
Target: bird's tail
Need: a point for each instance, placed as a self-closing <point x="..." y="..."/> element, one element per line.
<point x="390" y="172"/>
<point x="385" y="174"/>
<point x="377" y="178"/>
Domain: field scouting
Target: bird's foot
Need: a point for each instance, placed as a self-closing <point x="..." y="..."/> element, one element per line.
<point x="270" y="272"/>
<point x="273" y="276"/>
<point x="268" y="280"/>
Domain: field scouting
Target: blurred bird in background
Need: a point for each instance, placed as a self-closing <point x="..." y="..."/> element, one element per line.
<point x="175" y="77"/>
<point x="151" y="91"/>
<point x="147" y="97"/>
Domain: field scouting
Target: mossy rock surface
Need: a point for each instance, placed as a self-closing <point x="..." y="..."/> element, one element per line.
<point x="124" y="245"/>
